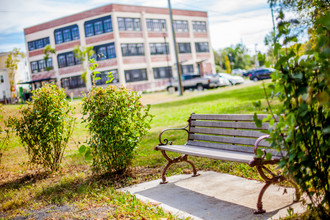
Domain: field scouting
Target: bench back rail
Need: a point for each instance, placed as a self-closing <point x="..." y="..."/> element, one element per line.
<point x="226" y="132"/>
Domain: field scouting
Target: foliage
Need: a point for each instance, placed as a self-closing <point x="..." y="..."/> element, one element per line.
<point x="47" y="51"/>
<point x="45" y="126"/>
<point x="227" y="65"/>
<point x="308" y="10"/>
<point x="302" y="84"/>
<point x="83" y="54"/>
<point x="237" y="55"/>
<point x="11" y="64"/>
<point x="117" y="121"/>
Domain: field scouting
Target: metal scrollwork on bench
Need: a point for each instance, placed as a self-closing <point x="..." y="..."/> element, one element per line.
<point x="166" y="141"/>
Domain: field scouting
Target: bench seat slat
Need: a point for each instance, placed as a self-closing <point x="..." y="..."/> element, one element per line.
<point x="234" y="148"/>
<point x="209" y="153"/>
<point x="232" y="132"/>
<point x="223" y="124"/>
<point x="226" y="117"/>
<point x="224" y="139"/>
<point x="237" y="148"/>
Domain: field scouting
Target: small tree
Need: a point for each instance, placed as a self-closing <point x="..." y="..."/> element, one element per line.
<point x="11" y="64"/>
<point x="84" y="54"/>
<point x="45" y="126"/>
<point x="47" y="52"/>
<point x="117" y="121"/>
<point x="227" y="64"/>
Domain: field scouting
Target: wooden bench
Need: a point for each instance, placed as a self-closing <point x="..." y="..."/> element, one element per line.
<point x="229" y="138"/>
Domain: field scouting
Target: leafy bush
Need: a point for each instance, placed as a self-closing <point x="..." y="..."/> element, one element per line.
<point x="117" y="121"/>
<point x="302" y="84"/>
<point x="45" y="126"/>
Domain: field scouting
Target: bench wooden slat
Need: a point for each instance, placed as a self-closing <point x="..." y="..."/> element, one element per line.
<point x="232" y="132"/>
<point x="226" y="117"/>
<point x="225" y="139"/>
<point x="222" y="124"/>
<point x="208" y="153"/>
<point x="237" y="148"/>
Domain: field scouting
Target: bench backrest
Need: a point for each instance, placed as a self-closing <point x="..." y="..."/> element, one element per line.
<point x="228" y="132"/>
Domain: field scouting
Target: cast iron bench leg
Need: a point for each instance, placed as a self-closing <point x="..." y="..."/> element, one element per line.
<point x="176" y="160"/>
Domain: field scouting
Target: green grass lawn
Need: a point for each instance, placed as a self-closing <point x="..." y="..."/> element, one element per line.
<point x="22" y="189"/>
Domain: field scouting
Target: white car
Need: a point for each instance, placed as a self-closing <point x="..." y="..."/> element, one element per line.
<point x="221" y="81"/>
<point x="232" y="79"/>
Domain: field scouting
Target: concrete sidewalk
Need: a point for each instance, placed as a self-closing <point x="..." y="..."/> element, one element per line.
<point x="215" y="196"/>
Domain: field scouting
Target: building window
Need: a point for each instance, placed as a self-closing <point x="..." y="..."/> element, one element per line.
<point x="187" y="69"/>
<point x="66" y="34"/>
<point x="67" y="59"/>
<point x="104" y="77"/>
<point x="129" y="24"/>
<point x="184" y="48"/>
<point x="162" y="72"/>
<point x="199" y="26"/>
<point x="41" y="65"/>
<point x="89" y="30"/>
<point x="156" y="25"/>
<point x="159" y="48"/>
<point x="132" y="49"/>
<point x="72" y="82"/>
<point x="202" y="47"/>
<point x="136" y="75"/>
<point x="105" y="51"/>
<point x="181" y="26"/>
<point x="37" y="44"/>
<point x="1" y="79"/>
<point x="98" y="26"/>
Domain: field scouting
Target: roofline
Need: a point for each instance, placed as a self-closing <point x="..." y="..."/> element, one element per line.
<point x="103" y="9"/>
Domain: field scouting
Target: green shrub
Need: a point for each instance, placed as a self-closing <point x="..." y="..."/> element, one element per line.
<point x="117" y="121"/>
<point x="302" y="84"/>
<point x="45" y="126"/>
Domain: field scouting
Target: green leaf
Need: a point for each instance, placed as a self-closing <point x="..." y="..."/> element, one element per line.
<point x="257" y="104"/>
<point x="88" y="155"/>
<point x="260" y="153"/>
<point x="268" y="156"/>
<point x="257" y="121"/>
<point x="82" y="149"/>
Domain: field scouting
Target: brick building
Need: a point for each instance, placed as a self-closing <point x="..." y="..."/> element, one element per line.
<point x="133" y="42"/>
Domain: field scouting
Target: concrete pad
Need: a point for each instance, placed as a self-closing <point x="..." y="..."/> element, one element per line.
<point x="215" y="196"/>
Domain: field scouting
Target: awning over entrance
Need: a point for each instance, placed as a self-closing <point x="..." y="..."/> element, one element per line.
<point x="35" y="84"/>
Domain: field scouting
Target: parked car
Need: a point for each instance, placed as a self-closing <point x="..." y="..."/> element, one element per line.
<point x="238" y="72"/>
<point x="232" y="79"/>
<point x="192" y="81"/>
<point x="261" y="73"/>
<point x="219" y="80"/>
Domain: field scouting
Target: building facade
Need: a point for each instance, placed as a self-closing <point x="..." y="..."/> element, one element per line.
<point x="133" y="42"/>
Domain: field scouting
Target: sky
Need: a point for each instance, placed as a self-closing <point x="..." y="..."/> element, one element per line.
<point x="230" y="21"/>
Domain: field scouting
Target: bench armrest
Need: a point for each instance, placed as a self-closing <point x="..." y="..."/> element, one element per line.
<point x="257" y="143"/>
<point x="166" y="142"/>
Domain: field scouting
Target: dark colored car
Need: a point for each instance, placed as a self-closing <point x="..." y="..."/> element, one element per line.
<point x="259" y="74"/>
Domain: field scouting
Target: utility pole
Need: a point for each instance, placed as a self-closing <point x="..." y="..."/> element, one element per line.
<point x="176" y="50"/>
